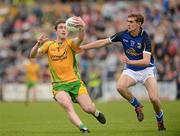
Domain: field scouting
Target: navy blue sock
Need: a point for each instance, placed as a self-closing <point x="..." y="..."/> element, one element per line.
<point x="134" y="102"/>
<point x="159" y="116"/>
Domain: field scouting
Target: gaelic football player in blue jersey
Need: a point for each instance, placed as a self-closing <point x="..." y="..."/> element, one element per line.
<point x="139" y="66"/>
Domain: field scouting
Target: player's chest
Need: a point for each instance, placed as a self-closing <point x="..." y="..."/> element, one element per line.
<point x="135" y="43"/>
<point x="57" y="52"/>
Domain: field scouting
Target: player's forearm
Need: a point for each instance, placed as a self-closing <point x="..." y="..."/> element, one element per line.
<point x="96" y="44"/>
<point x="142" y="62"/>
<point x="81" y="36"/>
<point x="34" y="50"/>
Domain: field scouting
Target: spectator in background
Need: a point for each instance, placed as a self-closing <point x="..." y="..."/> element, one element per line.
<point x="94" y="83"/>
<point x="32" y="70"/>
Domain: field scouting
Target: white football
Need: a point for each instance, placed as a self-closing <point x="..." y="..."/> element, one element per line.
<point x="71" y="26"/>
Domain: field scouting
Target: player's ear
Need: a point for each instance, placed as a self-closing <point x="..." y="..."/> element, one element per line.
<point x="139" y="24"/>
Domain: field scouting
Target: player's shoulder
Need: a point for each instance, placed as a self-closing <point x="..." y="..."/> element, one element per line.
<point x="145" y="36"/>
<point x="144" y="32"/>
<point x="50" y="42"/>
<point x="69" y="41"/>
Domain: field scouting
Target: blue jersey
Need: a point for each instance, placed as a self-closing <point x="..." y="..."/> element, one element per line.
<point x="134" y="47"/>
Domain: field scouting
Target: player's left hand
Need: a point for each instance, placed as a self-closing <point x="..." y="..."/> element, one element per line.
<point x="78" y="22"/>
<point x="124" y="59"/>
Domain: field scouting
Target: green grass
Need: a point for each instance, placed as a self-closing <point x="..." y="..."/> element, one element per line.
<point x="48" y="119"/>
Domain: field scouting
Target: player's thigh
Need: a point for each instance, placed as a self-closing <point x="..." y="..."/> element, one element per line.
<point x="151" y="86"/>
<point x="86" y="103"/>
<point x="64" y="99"/>
<point x="84" y="99"/>
<point x="125" y="81"/>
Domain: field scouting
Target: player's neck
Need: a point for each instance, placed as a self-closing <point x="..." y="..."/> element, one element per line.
<point x="135" y="32"/>
<point x="60" y="40"/>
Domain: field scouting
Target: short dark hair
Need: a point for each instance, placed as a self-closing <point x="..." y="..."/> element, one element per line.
<point x="59" y="21"/>
<point x="139" y="17"/>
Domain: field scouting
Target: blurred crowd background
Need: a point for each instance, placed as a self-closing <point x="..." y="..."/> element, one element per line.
<point x="21" y="22"/>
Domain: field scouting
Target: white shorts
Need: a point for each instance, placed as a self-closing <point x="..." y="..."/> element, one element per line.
<point x="141" y="75"/>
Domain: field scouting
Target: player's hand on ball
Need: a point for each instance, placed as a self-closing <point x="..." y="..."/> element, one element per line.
<point x="75" y="24"/>
<point x="42" y="38"/>
<point x="78" y="22"/>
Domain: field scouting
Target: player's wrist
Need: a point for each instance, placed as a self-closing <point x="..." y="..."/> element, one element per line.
<point x="110" y="40"/>
<point x="38" y="43"/>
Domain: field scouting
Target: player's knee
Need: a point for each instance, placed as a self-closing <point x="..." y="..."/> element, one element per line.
<point x="67" y="106"/>
<point x="120" y="87"/>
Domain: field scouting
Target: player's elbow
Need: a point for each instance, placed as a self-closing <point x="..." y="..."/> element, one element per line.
<point x="32" y="55"/>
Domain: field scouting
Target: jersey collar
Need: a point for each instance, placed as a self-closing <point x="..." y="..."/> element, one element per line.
<point x="139" y="34"/>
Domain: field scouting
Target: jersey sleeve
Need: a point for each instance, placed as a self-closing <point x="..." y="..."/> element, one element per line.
<point x="73" y="46"/>
<point x="147" y="44"/>
<point x="116" y="37"/>
<point x="44" y="47"/>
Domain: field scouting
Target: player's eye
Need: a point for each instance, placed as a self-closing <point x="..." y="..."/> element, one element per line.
<point x="130" y="21"/>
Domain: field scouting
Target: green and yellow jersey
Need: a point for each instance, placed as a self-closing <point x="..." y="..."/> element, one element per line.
<point x="62" y="62"/>
<point x="32" y="72"/>
<point x="63" y="67"/>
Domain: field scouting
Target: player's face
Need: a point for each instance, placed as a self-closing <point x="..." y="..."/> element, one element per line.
<point x="132" y="24"/>
<point x="61" y="31"/>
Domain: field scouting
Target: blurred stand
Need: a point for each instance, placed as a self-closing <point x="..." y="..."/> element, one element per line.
<point x="22" y="21"/>
<point x="109" y="92"/>
<point x="1" y="90"/>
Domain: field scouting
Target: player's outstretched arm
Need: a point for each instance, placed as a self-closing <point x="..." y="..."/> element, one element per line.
<point x="96" y="44"/>
<point x="34" y="51"/>
<point x="79" y="23"/>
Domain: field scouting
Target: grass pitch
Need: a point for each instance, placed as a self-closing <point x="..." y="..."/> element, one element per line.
<point x="49" y="119"/>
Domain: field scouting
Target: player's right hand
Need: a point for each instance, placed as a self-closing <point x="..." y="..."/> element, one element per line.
<point x="124" y="59"/>
<point x="42" y="38"/>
